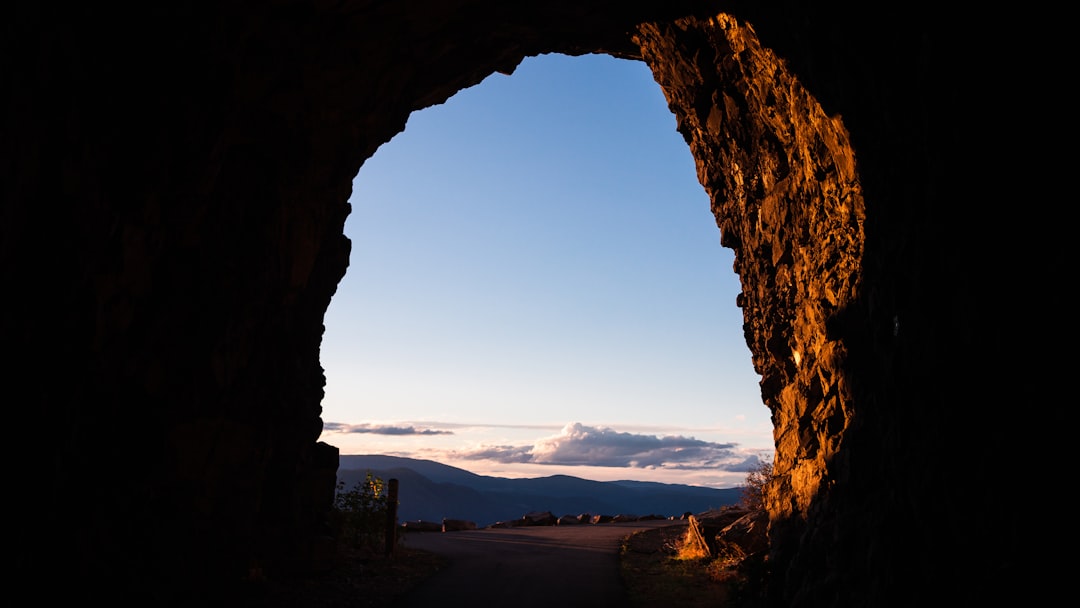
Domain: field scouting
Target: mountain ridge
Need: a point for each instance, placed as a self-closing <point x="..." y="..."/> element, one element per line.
<point x="432" y="491"/>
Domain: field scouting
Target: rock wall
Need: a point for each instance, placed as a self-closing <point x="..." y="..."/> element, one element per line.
<point x="786" y="193"/>
<point x="172" y="234"/>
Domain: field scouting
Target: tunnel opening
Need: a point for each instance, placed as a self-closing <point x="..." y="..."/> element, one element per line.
<point x="535" y="269"/>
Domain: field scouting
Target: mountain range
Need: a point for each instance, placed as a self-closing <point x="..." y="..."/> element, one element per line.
<point x="431" y="491"/>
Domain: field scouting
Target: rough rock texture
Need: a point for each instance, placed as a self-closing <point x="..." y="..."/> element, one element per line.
<point x="782" y="178"/>
<point x="172" y="232"/>
<point x="786" y="194"/>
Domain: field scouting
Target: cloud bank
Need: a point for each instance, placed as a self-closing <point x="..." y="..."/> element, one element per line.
<point x="381" y="429"/>
<point x="580" y="445"/>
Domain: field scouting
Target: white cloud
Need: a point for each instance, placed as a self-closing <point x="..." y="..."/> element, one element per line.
<point x="580" y="445"/>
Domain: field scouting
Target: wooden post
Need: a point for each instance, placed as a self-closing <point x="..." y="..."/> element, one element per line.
<point x="391" y="516"/>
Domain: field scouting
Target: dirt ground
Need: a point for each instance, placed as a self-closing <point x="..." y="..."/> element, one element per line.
<point x="365" y="579"/>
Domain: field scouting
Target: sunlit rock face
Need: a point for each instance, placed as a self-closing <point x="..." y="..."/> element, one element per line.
<point x="173" y="233"/>
<point x="786" y="195"/>
<point x="786" y="192"/>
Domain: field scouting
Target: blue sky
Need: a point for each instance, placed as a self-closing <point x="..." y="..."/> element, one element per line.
<point x="537" y="287"/>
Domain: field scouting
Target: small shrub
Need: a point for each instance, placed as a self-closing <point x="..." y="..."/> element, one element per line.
<point x="721" y="570"/>
<point x="362" y="511"/>
<point x="753" y="493"/>
<point x="693" y="546"/>
<point x="690" y="550"/>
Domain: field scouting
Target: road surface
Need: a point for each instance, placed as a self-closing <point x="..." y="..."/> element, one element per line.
<point x="526" y="567"/>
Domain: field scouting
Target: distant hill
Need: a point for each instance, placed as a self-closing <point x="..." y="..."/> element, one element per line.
<point x="430" y="491"/>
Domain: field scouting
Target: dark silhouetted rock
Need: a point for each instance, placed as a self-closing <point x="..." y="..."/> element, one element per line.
<point x="512" y="523"/>
<point x="422" y="526"/>
<point x="455" y="525"/>
<point x="539" y="518"/>
<point x="749" y="533"/>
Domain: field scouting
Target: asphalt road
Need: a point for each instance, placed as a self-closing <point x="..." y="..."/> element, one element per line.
<point x="526" y="567"/>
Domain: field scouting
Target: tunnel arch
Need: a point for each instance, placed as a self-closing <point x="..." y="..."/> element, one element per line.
<point x="782" y="179"/>
<point x="175" y="234"/>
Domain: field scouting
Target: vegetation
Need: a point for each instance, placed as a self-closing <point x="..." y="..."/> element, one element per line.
<point x="654" y="574"/>
<point x="362" y="512"/>
<point x="753" y="493"/>
<point x="670" y="566"/>
<point x="363" y="574"/>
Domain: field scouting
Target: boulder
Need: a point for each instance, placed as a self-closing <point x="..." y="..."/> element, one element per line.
<point x="456" y="525"/>
<point x="539" y="518"/>
<point x="748" y="533"/>
<point x="512" y="523"/>
<point x="422" y="526"/>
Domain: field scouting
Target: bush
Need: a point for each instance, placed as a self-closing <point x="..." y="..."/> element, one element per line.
<point x="362" y="511"/>
<point x="753" y="493"/>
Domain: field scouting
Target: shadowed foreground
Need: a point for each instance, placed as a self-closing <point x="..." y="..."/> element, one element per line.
<point x="538" y="567"/>
<point x="172" y="234"/>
